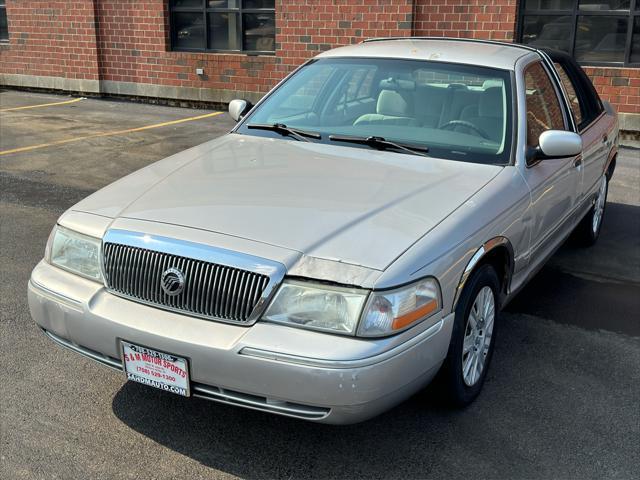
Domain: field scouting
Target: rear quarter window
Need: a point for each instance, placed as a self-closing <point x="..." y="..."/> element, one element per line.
<point x="584" y="101"/>
<point x="577" y="109"/>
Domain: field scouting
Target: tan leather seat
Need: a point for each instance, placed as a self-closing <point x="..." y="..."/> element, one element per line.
<point x="489" y="114"/>
<point x="393" y="108"/>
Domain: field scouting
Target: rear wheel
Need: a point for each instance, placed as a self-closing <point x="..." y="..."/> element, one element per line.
<point x="588" y="230"/>
<point x="473" y="337"/>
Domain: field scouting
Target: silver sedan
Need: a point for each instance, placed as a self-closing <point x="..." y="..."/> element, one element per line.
<point x="355" y="234"/>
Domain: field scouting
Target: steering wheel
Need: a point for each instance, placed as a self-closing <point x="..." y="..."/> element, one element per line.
<point x="469" y="125"/>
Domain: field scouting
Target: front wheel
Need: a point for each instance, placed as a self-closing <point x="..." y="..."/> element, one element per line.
<point x="473" y="337"/>
<point x="588" y="230"/>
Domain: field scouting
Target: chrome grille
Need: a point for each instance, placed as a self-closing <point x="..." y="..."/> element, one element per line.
<point x="210" y="290"/>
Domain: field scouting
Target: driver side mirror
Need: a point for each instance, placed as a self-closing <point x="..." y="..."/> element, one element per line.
<point x="555" y="144"/>
<point x="239" y="108"/>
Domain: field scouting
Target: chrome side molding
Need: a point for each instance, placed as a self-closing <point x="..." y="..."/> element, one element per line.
<point x="98" y="357"/>
<point x="485" y="248"/>
<point x="69" y="302"/>
<point x="254" y="402"/>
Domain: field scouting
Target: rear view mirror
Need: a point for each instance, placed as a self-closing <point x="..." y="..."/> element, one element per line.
<point x="392" y="83"/>
<point x="238" y="108"/>
<point x="555" y="144"/>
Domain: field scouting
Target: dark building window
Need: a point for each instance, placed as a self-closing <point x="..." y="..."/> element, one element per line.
<point x="594" y="32"/>
<point x="223" y="25"/>
<point x="4" y="27"/>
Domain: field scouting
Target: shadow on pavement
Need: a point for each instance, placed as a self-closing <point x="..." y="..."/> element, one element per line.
<point x="253" y="444"/>
<point x="596" y="287"/>
<point x="543" y="394"/>
<point x="566" y="298"/>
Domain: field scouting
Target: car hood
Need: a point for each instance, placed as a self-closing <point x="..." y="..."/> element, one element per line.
<point x="357" y="206"/>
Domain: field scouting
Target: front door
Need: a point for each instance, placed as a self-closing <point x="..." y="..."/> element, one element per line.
<point x="555" y="183"/>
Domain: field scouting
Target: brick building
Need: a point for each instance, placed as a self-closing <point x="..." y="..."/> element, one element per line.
<point x="217" y="50"/>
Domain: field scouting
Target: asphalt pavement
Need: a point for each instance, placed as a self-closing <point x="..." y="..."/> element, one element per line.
<point x="562" y="397"/>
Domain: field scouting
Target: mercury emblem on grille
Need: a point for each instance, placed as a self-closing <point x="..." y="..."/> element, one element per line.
<point x="172" y="282"/>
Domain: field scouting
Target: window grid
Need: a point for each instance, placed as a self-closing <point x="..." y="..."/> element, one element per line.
<point x="632" y="14"/>
<point x="205" y="10"/>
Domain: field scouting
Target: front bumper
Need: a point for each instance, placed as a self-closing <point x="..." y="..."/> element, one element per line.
<point x="288" y="371"/>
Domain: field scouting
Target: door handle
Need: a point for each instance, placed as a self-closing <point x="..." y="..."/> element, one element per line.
<point x="578" y="161"/>
<point x="605" y="138"/>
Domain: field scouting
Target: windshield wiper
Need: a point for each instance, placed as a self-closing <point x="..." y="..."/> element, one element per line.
<point x="381" y="143"/>
<point x="282" y="129"/>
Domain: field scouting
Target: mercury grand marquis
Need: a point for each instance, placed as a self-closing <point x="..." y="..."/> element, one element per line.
<point x="356" y="233"/>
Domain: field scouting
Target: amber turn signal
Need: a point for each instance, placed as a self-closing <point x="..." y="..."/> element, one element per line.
<point x="419" y="313"/>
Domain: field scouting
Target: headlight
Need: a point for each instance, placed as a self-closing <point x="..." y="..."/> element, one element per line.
<point x="75" y="252"/>
<point x="316" y="306"/>
<point x="337" y="309"/>
<point x="391" y="311"/>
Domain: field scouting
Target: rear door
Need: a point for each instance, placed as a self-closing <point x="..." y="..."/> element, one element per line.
<point x="589" y="116"/>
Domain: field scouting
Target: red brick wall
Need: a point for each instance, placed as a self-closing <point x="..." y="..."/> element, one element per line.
<point x="133" y="38"/>
<point x="133" y="41"/>
<point x="495" y="20"/>
<point x="54" y="39"/>
<point x="130" y="44"/>
<point x="306" y="27"/>
<point x="620" y="86"/>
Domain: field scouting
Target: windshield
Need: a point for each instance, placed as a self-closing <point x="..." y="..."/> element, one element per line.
<point x="458" y="112"/>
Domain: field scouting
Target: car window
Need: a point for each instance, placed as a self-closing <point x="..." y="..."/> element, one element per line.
<point x="359" y="84"/>
<point x="459" y="112"/>
<point x="577" y="109"/>
<point x="356" y="85"/>
<point x="543" y="107"/>
<point x="577" y="84"/>
<point x="302" y="96"/>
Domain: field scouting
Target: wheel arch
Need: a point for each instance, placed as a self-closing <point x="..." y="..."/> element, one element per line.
<point x="497" y="252"/>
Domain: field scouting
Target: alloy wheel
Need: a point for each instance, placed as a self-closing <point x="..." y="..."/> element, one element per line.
<point x="598" y="208"/>
<point x="477" y="337"/>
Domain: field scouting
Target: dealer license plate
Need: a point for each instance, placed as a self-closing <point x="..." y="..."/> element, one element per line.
<point x="157" y="369"/>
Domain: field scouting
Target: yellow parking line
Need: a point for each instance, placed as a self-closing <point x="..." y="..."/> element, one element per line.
<point x="108" y="134"/>
<point x="13" y="109"/>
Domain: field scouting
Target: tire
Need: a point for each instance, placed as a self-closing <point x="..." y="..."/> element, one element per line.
<point x="461" y="387"/>
<point x="588" y="230"/>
